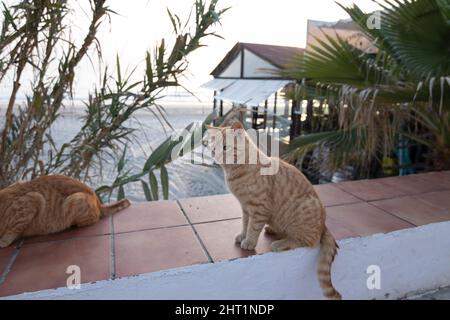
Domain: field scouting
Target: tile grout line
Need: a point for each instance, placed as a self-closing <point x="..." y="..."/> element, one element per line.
<point x="112" y="248"/>
<point x="124" y="232"/>
<point x="11" y="261"/>
<point x="214" y="221"/>
<point x="210" y="259"/>
<point x="405" y="192"/>
<point x="369" y="201"/>
<point x="153" y="229"/>
<point x="105" y="234"/>
<point x="338" y="185"/>
<point x="391" y="214"/>
<point x="343" y="204"/>
<point x="67" y="239"/>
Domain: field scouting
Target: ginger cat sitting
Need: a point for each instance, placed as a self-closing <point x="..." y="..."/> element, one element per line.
<point x="284" y="201"/>
<point x="47" y="205"/>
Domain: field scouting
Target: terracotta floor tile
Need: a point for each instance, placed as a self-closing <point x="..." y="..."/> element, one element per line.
<point x="218" y="238"/>
<point x="149" y="215"/>
<point x="5" y="257"/>
<point x="332" y="195"/>
<point x="370" y="190"/>
<point x="43" y="265"/>
<point x="338" y="230"/>
<point x="214" y="208"/>
<point x="154" y="250"/>
<point x="103" y="227"/>
<point x="412" y="184"/>
<point x="365" y="219"/>
<point x="441" y="179"/>
<point x="414" y="210"/>
<point x="438" y="199"/>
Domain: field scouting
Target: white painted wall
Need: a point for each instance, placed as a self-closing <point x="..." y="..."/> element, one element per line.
<point x="234" y="69"/>
<point x="412" y="260"/>
<point x="255" y="67"/>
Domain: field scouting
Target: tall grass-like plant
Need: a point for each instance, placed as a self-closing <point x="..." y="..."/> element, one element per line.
<point x="35" y="39"/>
<point x="402" y="90"/>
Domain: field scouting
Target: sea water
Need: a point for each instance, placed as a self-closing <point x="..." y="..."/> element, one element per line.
<point x="185" y="178"/>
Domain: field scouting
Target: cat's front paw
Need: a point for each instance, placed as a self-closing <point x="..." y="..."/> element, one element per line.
<point x="7" y="239"/>
<point x="238" y="239"/>
<point x="248" y="245"/>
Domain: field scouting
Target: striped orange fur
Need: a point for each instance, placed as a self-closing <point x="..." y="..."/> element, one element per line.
<point x="47" y="205"/>
<point x="285" y="203"/>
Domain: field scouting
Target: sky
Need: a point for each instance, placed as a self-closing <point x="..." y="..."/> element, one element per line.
<point x="277" y="22"/>
<point x="140" y="24"/>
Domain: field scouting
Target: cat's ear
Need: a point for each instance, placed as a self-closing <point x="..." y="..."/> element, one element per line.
<point x="237" y="125"/>
<point x="209" y="127"/>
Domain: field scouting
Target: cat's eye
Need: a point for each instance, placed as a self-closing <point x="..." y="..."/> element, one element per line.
<point x="224" y="148"/>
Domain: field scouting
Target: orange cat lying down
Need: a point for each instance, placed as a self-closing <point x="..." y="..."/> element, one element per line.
<point x="47" y="205"/>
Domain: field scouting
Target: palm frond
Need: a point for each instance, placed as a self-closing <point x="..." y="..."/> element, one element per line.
<point x="380" y="96"/>
<point x="415" y="33"/>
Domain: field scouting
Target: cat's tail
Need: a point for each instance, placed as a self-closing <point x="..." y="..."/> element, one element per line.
<point x="327" y="253"/>
<point x="109" y="209"/>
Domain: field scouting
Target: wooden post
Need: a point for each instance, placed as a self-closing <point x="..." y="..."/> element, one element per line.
<point x="309" y="117"/>
<point x="274" y="121"/>
<point x="221" y="107"/>
<point x="255" y="118"/>
<point x="266" y="104"/>
<point x="214" y="106"/>
<point x="294" y="121"/>
<point x="320" y="121"/>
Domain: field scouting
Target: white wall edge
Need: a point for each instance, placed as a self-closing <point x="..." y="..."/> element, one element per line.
<point x="411" y="261"/>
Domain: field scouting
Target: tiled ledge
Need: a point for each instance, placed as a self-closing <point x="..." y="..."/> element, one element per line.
<point x="157" y="236"/>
